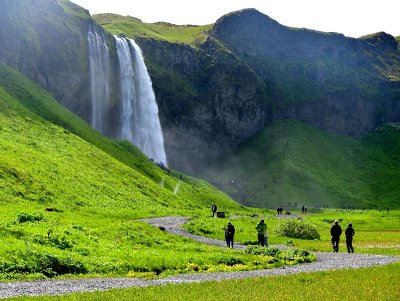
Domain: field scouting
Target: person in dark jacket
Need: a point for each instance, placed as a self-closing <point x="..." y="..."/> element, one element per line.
<point x="336" y="231"/>
<point x="214" y="209"/>
<point x="349" y="238"/>
<point x="229" y="234"/>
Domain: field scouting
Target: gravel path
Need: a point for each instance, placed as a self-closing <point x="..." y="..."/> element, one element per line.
<point x="325" y="261"/>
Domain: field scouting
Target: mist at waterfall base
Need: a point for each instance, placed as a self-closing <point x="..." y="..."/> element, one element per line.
<point x="138" y="114"/>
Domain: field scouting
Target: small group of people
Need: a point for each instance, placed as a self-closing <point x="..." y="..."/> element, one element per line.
<point x="262" y="236"/>
<point x="336" y="231"/>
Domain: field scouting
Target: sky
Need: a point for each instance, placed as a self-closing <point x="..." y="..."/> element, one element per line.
<point x="353" y="18"/>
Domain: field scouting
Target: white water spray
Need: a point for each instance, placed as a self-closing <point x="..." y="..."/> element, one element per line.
<point x="99" y="64"/>
<point x="139" y="116"/>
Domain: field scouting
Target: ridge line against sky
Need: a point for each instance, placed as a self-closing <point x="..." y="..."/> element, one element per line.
<point x="353" y="18"/>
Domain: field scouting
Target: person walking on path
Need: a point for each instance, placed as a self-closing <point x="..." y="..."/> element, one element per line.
<point x="229" y="234"/>
<point x="336" y="231"/>
<point x="214" y="209"/>
<point x="261" y="233"/>
<point x="349" y="238"/>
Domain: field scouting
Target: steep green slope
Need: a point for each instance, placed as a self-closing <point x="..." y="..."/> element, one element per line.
<point x="39" y="102"/>
<point x="290" y="163"/>
<point x="133" y="27"/>
<point x="69" y="207"/>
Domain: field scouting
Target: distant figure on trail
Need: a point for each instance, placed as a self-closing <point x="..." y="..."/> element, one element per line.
<point x="336" y="231"/>
<point x="214" y="210"/>
<point x="349" y="238"/>
<point x="229" y="234"/>
<point x="262" y="233"/>
<point x="303" y="209"/>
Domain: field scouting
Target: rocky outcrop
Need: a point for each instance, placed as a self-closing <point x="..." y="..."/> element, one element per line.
<point x="382" y="41"/>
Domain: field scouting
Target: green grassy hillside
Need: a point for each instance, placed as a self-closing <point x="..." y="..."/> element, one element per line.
<point x="40" y="103"/>
<point x="290" y="163"/>
<point x="133" y="27"/>
<point x="71" y="200"/>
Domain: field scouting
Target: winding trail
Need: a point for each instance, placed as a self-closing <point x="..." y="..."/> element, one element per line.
<point x="324" y="262"/>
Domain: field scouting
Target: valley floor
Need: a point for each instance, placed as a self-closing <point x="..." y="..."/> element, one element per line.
<point x="324" y="262"/>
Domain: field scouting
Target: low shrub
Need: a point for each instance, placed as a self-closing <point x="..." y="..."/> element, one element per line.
<point x="297" y="255"/>
<point x="24" y="217"/>
<point x="297" y="229"/>
<point x="265" y="251"/>
<point x="49" y="265"/>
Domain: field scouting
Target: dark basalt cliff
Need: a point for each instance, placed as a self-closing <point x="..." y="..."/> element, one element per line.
<point x="339" y="84"/>
<point x="208" y="102"/>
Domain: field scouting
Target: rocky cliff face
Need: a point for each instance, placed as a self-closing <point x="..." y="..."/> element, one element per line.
<point x="339" y="84"/>
<point x="208" y="102"/>
<point x="46" y="40"/>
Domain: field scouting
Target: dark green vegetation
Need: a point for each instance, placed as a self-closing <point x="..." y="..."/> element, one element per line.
<point x="377" y="283"/>
<point x="297" y="229"/>
<point x="291" y="255"/>
<point x="292" y="163"/>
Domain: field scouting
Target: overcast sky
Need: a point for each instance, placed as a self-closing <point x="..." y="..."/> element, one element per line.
<point x="353" y="18"/>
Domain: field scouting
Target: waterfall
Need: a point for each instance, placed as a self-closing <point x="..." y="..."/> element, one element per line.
<point x="99" y="64"/>
<point x="139" y="113"/>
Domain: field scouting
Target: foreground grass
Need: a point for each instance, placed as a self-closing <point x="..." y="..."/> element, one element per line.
<point x="376" y="283"/>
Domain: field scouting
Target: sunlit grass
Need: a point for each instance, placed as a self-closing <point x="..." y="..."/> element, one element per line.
<point x="376" y="283"/>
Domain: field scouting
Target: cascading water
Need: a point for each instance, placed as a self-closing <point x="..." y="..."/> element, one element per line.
<point x="139" y="116"/>
<point x="99" y="63"/>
